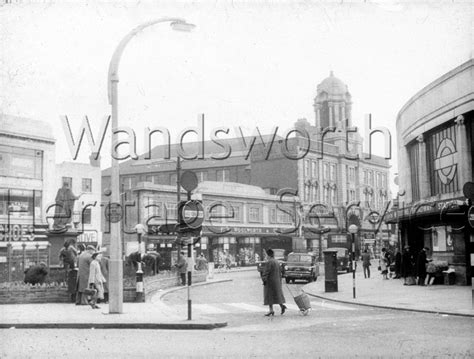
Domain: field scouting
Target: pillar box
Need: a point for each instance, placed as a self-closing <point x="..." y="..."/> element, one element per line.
<point x="330" y="270"/>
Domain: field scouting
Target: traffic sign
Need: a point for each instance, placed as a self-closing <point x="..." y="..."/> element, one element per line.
<point x="191" y="214"/>
<point x="189" y="180"/>
<point x="113" y="212"/>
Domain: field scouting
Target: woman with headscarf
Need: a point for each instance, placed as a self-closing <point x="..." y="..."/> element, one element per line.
<point x="271" y="277"/>
<point x="96" y="280"/>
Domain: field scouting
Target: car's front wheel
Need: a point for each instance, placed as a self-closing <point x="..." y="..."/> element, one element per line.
<point x="287" y="280"/>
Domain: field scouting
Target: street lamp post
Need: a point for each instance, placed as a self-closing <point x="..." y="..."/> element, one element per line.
<point x="116" y="262"/>
<point x="353" y="230"/>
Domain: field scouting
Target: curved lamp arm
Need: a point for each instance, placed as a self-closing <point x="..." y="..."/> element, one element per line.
<point x="114" y="62"/>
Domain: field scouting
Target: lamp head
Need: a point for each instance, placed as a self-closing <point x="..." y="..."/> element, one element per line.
<point x="182" y="26"/>
<point x="353" y="229"/>
<point x="140" y="229"/>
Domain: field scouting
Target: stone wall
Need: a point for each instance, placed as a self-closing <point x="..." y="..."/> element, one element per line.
<point x="20" y="293"/>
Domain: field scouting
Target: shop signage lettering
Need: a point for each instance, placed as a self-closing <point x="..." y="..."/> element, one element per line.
<point x="247" y="230"/>
<point x="88" y="237"/>
<point x="16" y="232"/>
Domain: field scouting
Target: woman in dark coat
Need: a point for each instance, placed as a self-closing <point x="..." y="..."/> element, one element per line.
<point x="407" y="266"/>
<point x="271" y="277"/>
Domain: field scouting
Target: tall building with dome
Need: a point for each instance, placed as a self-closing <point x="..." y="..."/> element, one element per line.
<point x="333" y="172"/>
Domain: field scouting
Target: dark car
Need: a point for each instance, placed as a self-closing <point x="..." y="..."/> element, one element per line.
<point x="343" y="259"/>
<point x="301" y="266"/>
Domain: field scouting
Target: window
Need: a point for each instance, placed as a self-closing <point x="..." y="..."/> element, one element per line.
<point x="333" y="196"/>
<point x="223" y="175"/>
<point x="413" y="152"/>
<point x="306" y="192"/>
<point x="67" y="180"/>
<point x="236" y="216"/>
<point x="21" y="162"/>
<point x="153" y="208"/>
<point x="87" y="185"/>
<point x="306" y="168"/>
<point x="201" y="175"/>
<point x="20" y="203"/>
<point x="129" y="182"/>
<point x="254" y="214"/>
<point x="371" y="178"/>
<point x="171" y="210"/>
<point x="173" y="178"/>
<point x="314" y="169"/>
<point x="351" y="171"/>
<point x="366" y="181"/>
<point x="333" y="172"/>
<point x="326" y="171"/>
<point x="87" y="216"/>
<point x="273" y="216"/>
<point x="283" y="217"/>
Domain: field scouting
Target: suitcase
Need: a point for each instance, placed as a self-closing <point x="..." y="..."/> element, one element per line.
<point x="302" y="301"/>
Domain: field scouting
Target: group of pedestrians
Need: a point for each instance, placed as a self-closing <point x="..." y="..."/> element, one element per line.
<point x="86" y="274"/>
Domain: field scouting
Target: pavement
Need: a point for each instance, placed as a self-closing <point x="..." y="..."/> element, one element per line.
<point x="392" y="294"/>
<point x="374" y="292"/>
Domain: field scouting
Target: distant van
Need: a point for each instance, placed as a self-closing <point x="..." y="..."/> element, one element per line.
<point x="343" y="259"/>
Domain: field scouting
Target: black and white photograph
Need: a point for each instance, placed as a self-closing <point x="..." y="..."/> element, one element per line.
<point x="236" y="179"/>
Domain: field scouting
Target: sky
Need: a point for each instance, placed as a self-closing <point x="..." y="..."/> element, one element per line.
<point x="246" y="64"/>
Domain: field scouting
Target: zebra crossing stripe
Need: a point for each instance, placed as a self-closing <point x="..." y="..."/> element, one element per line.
<point x="209" y="309"/>
<point x="248" y="307"/>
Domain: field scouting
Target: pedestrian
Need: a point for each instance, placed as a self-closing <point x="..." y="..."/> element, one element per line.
<point x="384" y="263"/>
<point x="366" y="263"/>
<point x="182" y="266"/>
<point x="201" y="263"/>
<point x="96" y="280"/>
<point x="104" y="268"/>
<point x="228" y="262"/>
<point x="68" y="257"/>
<point x="272" y="291"/>
<point x="398" y="263"/>
<point x="84" y="263"/>
<point x="407" y="267"/>
<point x="421" y="265"/>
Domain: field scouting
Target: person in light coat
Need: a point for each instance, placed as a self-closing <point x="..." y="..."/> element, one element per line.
<point x="84" y="263"/>
<point x="96" y="280"/>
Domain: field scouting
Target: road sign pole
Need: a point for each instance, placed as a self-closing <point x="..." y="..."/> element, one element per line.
<point x="189" y="282"/>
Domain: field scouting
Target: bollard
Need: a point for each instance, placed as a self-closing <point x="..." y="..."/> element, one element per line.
<point x="139" y="280"/>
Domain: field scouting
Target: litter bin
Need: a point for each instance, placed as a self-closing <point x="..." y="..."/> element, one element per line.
<point x="330" y="270"/>
<point x="449" y="277"/>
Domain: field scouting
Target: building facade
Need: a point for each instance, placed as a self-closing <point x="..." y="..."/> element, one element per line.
<point x="435" y="145"/>
<point x="27" y="181"/>
<point x="330" y="172"/>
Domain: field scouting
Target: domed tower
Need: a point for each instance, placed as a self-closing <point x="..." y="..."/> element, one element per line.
<point x="332" y="104"/>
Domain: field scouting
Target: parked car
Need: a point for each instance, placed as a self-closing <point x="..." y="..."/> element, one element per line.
<point x="301" y="266"/>
<point x="343" y="259"/>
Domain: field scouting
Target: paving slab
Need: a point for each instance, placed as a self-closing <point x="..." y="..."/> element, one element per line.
<point x="392" y="294"/>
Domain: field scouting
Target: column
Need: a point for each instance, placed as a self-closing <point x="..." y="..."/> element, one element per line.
<point x="336" y="115"/>
<point x="343" y="115"/>
<point x="424" y="181"/>
<point x="331" y="114"/>
<point x="318" y="115"/>
<point x="464" y="163"/>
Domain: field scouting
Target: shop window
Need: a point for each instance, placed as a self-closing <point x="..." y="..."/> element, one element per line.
<point x="21" y="162"/>
<point x="87" y="185"/>
<point x="441" y="239"/>
<point x="20" y="203"/>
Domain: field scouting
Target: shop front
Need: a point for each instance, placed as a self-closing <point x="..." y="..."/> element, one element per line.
<point x="443" y="227"/>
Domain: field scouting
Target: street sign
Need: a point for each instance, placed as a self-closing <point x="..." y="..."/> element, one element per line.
<point x="113" y="213"/>
<point x="189" y="180"/>
<point x="468" y="190"/>
<point x="192" y="214"/>
<point x="470" y="216"/>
